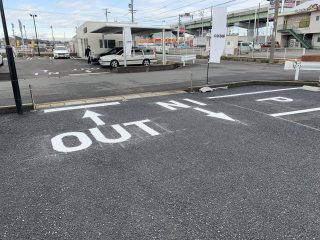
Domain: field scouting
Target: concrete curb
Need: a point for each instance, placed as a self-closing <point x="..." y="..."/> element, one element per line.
<point x="68" y="103"/>
<point x="257" y="82"/>
<point x="29" y="107"/>
<point x="151" y="68"/>
<point x="12" y="108"/>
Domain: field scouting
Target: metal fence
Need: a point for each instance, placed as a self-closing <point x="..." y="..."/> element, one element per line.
<point x="280" y="53"/>
<point x="188" y="51"/>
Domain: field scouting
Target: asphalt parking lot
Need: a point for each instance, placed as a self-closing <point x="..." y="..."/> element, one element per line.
<point x="232" y="164"/>
<point x="71" y="79"/>
<point x="43" y="67"/>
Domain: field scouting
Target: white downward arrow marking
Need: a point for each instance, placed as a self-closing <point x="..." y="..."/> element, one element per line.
<point x="94" y="117"/>
<point x="215" y="115"/>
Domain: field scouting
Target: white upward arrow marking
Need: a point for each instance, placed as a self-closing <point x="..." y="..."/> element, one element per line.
<point x="215" y="115"/>
<point x="94" y="116"/>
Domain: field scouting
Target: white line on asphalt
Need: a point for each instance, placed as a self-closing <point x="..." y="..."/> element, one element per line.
<point x="84" y="74"/>
<point x="215" y="115"/>
<point x="253" y="110"/>
<point x="195" y="102"/>
<point x="252" y="93"/>
<point x="295" y="112"/>
<point x="81" y="107"/>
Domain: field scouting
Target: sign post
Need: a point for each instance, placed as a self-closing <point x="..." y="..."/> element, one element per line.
<point x="127" y="43"/>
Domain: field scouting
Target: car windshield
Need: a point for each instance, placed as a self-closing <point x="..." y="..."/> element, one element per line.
<point x="60" y="48"/>
<point x="114" y="51"/>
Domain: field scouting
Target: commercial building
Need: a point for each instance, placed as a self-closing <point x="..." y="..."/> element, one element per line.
<point x="98" y="42"/>
<point x="102" y="35"/>
<point x="300" y="27"/>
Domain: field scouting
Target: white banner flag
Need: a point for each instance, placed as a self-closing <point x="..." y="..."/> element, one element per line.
<point x="127" y="40"/>
<point x="20" y="27"/>
<point x="218" y="34"/>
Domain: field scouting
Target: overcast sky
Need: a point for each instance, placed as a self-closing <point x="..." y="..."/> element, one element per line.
<point x="64" y="15"/>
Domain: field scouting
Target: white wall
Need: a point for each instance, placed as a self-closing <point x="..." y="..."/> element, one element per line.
<point x="314" y="24"/>
<point x="315" y="42"/>
<point x="84" y="38"/>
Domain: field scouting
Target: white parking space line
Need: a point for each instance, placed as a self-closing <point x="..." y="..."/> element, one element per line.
<point x="263" y="113"/>
<point x="84" y="74"/>
<point x="295" y="112"/>
<point x="80" y="107"/>
<point x="252" y="93"/>
<point x="195" y="102"/>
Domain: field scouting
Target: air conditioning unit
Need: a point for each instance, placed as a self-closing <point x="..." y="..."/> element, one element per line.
<point x="292" y="43"/>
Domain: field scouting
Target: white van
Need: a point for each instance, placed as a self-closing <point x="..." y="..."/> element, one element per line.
<point x="243" y="48"/>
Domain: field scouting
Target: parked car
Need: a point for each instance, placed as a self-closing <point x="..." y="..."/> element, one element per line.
<point x="95" y="57"/>
<point x="61" y="52"/>
<point x="138" y="56"/>
<point x="268" y="45"/>
<point x="243" y="47"/>
<point x="255" y="46"/>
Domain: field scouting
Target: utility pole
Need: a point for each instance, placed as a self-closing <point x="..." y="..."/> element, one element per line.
<point x="52" y="35"/>
<point x="11" y="63"/>
<point x="35" y="29"/>
<point x="179" y="22"/>
<point x="131" y="10"/>
<point x="274" y="32"/>
<point x="107" y="14"/>
<point x="258" y="25"/>
<point x="201" y="13"/>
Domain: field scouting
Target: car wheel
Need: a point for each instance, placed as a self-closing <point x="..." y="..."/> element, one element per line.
<point x="114" y="64"/>
<point x="146" y="62"/>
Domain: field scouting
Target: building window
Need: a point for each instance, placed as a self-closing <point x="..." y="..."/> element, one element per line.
<point x="317" y="18"/>
<point x="318" y="39"/>
<point x="101" y="43"/>
<point x="109" y="43"/>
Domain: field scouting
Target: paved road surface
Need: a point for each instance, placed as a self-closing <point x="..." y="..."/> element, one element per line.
<point x="190" y="166"/>
<point x="100" y="83"/>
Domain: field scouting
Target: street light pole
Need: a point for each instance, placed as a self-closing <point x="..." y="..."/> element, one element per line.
<point x="274" y="32"/>
<point x="11" y="64"/>
<point x="35" y="29"/>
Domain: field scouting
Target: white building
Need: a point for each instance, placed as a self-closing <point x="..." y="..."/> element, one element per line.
<point x="98" y="42"/>
<point x="300" y="27"/>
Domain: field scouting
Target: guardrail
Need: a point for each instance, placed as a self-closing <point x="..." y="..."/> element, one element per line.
<point x="301" y="65"/>
<point x="179" y="58"/>
<point x="280" y="53"/>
